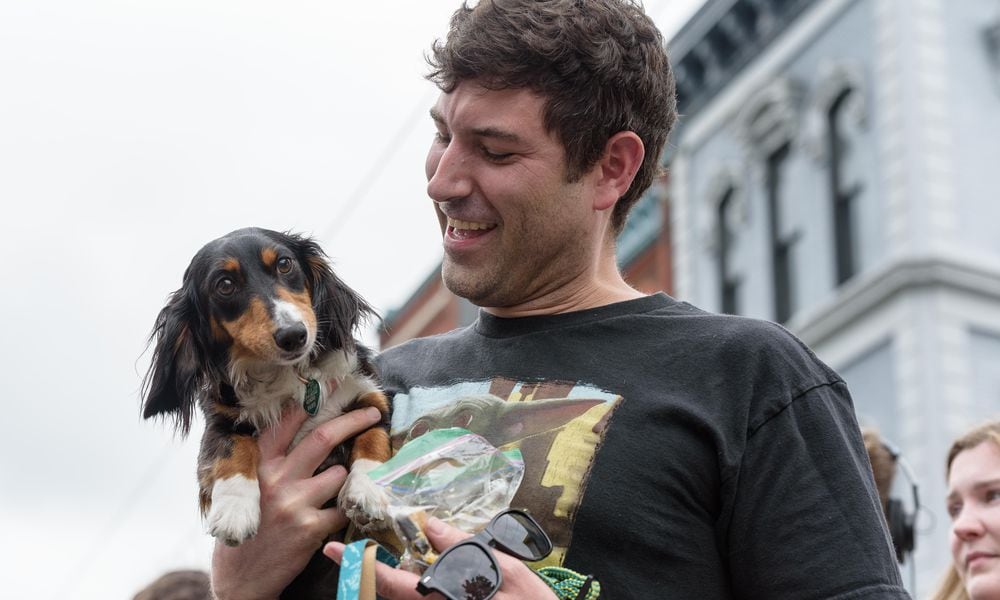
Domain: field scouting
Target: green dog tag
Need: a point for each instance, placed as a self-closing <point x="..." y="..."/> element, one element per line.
<point x="311" y="401"/>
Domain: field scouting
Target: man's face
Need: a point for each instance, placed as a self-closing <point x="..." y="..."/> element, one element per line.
<point x="515" y="231"/>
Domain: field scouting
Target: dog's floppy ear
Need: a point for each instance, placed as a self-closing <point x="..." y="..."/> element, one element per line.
<point x="174" y="377"/>
<point x="338" y="308"/>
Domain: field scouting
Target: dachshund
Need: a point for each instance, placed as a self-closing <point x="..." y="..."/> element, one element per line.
<point x="261" y="321"/>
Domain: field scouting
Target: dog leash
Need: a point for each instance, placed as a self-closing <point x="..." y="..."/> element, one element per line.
<point x="357" y="569"/>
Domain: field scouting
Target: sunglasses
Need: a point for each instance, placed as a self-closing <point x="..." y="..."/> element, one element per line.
<point x="469" y="570"/>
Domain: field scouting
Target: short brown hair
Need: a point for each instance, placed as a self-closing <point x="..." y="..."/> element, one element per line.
<point x="178" y="585"/>
<point x="601" y="66"/>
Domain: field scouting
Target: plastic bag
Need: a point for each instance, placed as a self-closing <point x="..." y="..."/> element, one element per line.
<point x="452" y="474"/>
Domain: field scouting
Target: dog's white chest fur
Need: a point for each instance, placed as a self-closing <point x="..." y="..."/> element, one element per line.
<point x="263" y="393"/>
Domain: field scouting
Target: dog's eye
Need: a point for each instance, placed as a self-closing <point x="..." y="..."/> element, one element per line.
<point x="285" y="265"/>
<point x="225" y="286"/>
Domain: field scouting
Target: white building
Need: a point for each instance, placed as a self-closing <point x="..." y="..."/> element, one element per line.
<point x="836" y="170"/>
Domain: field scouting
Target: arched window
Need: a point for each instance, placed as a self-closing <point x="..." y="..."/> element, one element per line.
<point x="837" y="114"/>
<point x="728" y="281"/>
<point x="770" y="123"/>
<point x="727" y="219"/>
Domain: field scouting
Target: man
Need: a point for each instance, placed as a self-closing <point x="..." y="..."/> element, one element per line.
<point x="668" y="452"/>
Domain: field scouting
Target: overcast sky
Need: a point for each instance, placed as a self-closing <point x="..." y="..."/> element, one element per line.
<point x="131" y="133"/>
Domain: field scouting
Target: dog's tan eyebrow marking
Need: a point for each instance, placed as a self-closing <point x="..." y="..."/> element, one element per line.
<point x="231" y="264"/>
<point x="269" y="256"/>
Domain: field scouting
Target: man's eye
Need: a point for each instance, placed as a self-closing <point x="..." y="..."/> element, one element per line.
<point x="992" y="495"/>
<point x="496" y="156"/>
<point x="285" y="265"/>
<point x="442" y="138"/>
<point x="225" y="286"/>
<point x="953" y="509"/>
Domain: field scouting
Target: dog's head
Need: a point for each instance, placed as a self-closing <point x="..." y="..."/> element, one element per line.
<point x="251" y="297"/>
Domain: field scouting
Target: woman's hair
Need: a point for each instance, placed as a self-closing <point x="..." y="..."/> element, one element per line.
<point x="988" y="431"/>
<point x="952" y="587"/>
<point x="600" y="66"/>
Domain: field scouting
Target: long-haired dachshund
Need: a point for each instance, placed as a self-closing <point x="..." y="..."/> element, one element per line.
<point x="259" y="322"/>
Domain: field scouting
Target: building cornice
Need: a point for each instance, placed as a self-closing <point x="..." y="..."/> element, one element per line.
<point x="720" y="40"/>
<point x="866" y="292"/>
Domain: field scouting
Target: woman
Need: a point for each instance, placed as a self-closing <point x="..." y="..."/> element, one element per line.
<point x="973" y="473"/>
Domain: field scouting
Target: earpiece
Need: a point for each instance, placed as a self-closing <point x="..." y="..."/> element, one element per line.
<point x="902" y="523"/>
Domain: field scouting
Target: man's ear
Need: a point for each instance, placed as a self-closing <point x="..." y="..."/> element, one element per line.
<point x="620" y="162"/>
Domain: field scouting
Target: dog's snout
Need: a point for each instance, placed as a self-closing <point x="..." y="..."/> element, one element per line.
<point x="291" y="338"/>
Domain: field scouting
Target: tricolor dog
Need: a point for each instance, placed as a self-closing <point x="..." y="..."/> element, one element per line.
<point x="261" y="321"/>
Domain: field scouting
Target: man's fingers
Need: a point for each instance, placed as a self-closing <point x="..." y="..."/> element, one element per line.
<point x="274" y="440"/>
<point x="333" y="551"/>
<point x="390" y="583"/>
<point x="326" y="485"/>
<point x="441" y="535"/>
<point x="315" y="447"/>
<point x="333" y="519"/>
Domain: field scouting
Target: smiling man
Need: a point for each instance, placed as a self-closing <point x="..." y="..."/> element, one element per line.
<point x="683" y="454"/>
<point x="521" y="235"/>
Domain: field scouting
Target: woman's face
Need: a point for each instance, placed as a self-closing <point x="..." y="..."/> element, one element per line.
<point x="974" y="506"/>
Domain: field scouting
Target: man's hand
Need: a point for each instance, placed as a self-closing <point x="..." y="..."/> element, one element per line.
<point x="519" y="581"/>
<point x="292" y="521"/>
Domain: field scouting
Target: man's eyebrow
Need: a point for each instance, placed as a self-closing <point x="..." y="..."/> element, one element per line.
<point x="499" y="134"/>
<point x="487" y="132"/>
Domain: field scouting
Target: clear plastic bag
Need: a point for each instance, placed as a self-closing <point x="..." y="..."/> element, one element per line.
<point x="452" y="474"/>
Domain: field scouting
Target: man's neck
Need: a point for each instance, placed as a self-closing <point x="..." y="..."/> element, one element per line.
<point x="601" y="289"/>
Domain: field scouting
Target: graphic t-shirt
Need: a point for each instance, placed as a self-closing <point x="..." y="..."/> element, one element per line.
<point x="670" y="452"/>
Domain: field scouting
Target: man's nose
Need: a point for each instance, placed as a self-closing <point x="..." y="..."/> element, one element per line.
<point x="448" y="173"/>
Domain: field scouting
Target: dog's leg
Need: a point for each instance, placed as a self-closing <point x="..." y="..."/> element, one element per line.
<point x="230" y="493"/>
<point x="364" y="502"/>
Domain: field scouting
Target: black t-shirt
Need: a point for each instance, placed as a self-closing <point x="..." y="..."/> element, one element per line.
<point x="670" y="452"/>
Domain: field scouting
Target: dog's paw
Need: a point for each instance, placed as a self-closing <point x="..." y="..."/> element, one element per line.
<point x="235" y="512"/>
<point x="364" y="502"/>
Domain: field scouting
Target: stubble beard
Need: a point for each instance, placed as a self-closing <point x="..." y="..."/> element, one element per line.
<point x="515" y="278"/>
<point x="479" y="286"/>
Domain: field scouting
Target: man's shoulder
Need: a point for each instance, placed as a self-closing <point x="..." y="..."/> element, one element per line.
<point x="419" y="346"/>
<point x="751" y="350"/>
<point x="726" y="331"/>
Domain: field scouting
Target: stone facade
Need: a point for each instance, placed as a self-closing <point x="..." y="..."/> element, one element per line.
<point x="835" y="171"/>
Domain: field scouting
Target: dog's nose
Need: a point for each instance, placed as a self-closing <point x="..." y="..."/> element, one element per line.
<point x="291" y="338"/>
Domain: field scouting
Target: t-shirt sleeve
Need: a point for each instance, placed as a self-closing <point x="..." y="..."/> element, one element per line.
<point x="805" y="520"/>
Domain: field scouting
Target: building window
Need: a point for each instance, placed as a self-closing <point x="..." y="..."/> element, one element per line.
<point x="769" y="123"/>
<point x="728" y="283"/>
<point x="843" y="197"/>
<point x="782" y="243"/>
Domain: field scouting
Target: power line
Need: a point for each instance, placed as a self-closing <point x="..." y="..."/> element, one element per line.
<point x="110" y="529"/>
<point x="354" y="198"/>
<point x="118" y="518"/>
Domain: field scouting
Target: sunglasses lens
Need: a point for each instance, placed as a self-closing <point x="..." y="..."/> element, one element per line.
<point x="467" y="572"/>
<point x="521" y="536"/>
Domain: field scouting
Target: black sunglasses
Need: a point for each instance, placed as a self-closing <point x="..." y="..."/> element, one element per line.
<point x="469" y="570"/>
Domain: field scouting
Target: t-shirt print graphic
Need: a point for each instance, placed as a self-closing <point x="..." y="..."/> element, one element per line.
<point x="558" y="427"/>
